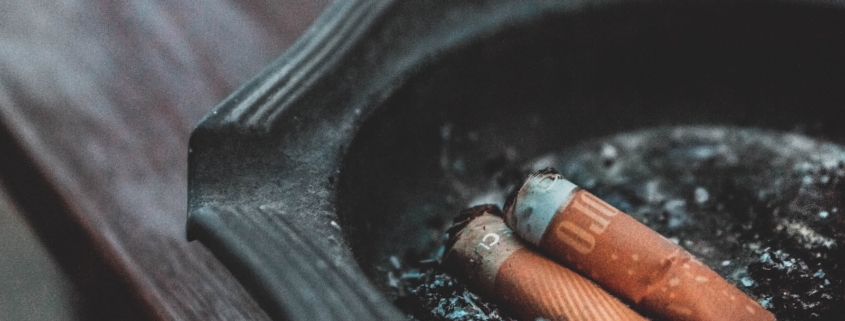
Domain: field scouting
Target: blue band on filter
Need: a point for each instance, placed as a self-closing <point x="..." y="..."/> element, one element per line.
<point x="537" y="202"/>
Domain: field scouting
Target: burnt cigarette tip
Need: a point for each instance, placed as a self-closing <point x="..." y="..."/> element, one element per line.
<point x="463" y="219"/>
<point x="508" y="206"/>
<point x="511" y="198"/>
<point x="545" y="171"/>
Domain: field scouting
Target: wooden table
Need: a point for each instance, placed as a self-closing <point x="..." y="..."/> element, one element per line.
<point x="97" y="100"/>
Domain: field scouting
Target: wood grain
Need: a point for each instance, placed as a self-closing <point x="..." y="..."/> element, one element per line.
<point x="97" y="100"/>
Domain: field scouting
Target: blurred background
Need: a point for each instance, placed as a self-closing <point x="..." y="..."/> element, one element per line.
<point x="97" y="101"/>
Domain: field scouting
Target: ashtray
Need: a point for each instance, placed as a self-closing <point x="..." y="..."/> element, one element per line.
<point x="343" y="162"/>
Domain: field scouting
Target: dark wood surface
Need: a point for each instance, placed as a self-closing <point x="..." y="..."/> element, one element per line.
<point x="97" y="100"/>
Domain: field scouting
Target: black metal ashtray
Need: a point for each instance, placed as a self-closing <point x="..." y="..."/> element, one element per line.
<point x="335" y="171"/>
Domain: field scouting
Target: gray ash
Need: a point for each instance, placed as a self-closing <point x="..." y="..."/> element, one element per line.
<point x="763" y="209"/>
<point x="800" y="271"/>
<point x="432" y="294"/>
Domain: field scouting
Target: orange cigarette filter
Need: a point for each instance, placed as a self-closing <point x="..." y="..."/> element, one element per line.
<point x="484" y="251"/>
<point x="616" y="251"/>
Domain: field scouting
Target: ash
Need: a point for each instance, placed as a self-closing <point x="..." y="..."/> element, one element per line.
<point x="762" y="208"/>
<point x="431" y="294"/>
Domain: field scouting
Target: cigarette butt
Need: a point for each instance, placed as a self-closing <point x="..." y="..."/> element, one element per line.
<point x="616" y="251"/>
<point x="483" y="250"/>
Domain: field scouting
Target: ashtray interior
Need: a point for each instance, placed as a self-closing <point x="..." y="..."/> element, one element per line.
<point x="454" y="133"/>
